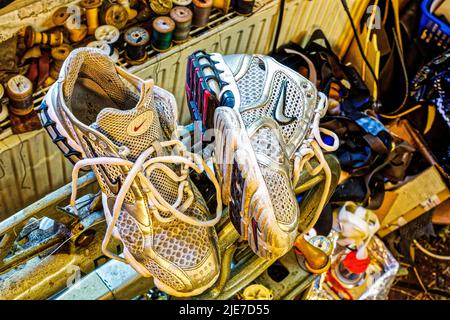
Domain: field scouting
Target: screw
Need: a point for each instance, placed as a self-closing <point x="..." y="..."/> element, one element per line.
<point x="85" y="238"/>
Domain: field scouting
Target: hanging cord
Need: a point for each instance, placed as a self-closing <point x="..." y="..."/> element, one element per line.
<point x="404" y="113"/>
<point x="280" y="22"/>
<point x="360" y="47"/>
<point x="431" y="254"/>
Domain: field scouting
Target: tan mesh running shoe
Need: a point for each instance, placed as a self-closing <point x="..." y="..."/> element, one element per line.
<point x="130" y="140"/>
<point x="266" y="118"/>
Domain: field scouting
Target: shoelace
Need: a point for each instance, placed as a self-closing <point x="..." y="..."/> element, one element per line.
<point x="142" y="168"/>
<point x="312" y="147"/>
<point x="357" y="228"/>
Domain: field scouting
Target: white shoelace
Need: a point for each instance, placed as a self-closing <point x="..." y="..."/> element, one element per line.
<point x="312" y="147"/>
<point x="142" y="168"/>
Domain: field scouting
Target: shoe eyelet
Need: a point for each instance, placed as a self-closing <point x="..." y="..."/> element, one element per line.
<point x="123" y="151"/>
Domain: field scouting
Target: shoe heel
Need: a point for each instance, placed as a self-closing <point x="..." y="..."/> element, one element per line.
<point x="202" y="98"/>
<point x="61" y="141"/>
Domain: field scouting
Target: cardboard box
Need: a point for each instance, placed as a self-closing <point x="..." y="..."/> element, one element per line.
<point x="419" y="195"/>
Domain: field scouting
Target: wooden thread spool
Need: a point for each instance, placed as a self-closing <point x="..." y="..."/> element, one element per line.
<point x="202" y="11"/>
<point x="59" y="54"/>
<point x="181" y="2"/>
<point x="244" y="7"/>
<point x="131" y="12"/>
<point x="77" y="31"/>
<point x="91" y="7"/>
<point x="109" y="34"/>
<point x="222" y="5"/>
<point x="161" y="7"/>
<point x="106" y="48"/>
<point x="32" y="38"/>
<point x="21" y="109"/>
<point x="20" y="93"/>
<point x="136" y="39"/>
<point x="162" y="33"/>
<point x="60" y="16"/>
<point x="182" y="16"/>
<point x="115" y="15"/>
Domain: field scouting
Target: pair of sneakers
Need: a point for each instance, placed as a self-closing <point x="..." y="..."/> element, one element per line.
<point x="125" y="129"/>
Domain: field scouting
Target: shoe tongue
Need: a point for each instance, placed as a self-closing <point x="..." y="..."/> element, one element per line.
<point x="136" y="128"/>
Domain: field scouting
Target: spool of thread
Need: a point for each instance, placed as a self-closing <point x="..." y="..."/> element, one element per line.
<point x="202" y="11"/>
<point x="161" y="7"/>
<point x="222" y="5"/>
<point x="244" y="7"/>
<point x="182" y="16"/>
<point x="59" y="54"/>
<point x="131" y="12"/>
<point x="60" y="16"/>
<point x="32" y="38"/>
<point x="91" y="7"/>
<point x="77" y="30"/>
<point x="20" y="93"/>
<point x="136" y="39"/>
<point x="109" y="34"/>
<point x="21" y="112"/>
<point x="163" y="28"/>
<point x="115" y="15"/>
<point x="182" y="2"/>
<point x="106" y="48"/>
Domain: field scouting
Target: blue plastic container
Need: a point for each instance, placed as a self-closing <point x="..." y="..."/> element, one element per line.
<point x="432" y="30"/>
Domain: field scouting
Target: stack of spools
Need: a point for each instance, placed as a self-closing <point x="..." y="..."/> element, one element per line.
<point x="174" y="20"/>
<point x="108" y="26"/>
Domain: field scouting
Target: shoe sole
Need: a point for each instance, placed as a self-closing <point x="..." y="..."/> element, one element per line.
<point x="143" y="271"/>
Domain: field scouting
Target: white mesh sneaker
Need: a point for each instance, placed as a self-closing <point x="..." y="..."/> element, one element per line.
<point x="130" y="140"/>
<point x="266" y="118"/>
